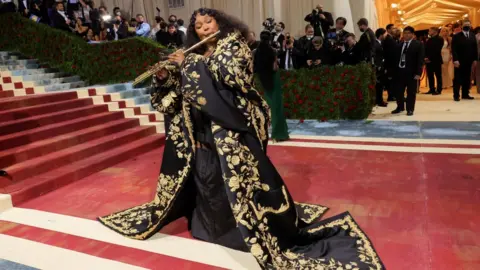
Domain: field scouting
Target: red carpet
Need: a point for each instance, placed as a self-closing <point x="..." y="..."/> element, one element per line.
<point x="418" y="209"/>
<point x="50" y="140"/>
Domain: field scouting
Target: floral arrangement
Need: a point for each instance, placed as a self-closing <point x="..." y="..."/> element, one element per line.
<point x="110" y="62"/>
<point x="328" y="93"/>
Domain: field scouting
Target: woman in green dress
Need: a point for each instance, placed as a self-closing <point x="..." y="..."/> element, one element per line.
<point x="266" y="68"/>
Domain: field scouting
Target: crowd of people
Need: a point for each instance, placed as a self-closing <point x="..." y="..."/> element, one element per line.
<point x="449" y="53"/>
<point x="93" y="24"/>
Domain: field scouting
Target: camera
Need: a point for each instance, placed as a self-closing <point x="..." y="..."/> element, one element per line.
<point x="269" y="24"/>
<point x="288" y="39"/>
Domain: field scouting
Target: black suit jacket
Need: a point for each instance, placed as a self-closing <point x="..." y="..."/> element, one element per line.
<point x="415" y="58"/>
<point x="365" y="46"/>
<point x="390" y="47"/>
<point x="59" y="22"/>
<point x="464" y="50"/>
<point x="22" y="7"/>
<point x="318" y="23"/>
<point x="433" y="50"/>
<point x="379" y="59"/>
<point x="297" y="55"/>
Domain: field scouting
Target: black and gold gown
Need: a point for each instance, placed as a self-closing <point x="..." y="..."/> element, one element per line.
<point x="215" y="172"/>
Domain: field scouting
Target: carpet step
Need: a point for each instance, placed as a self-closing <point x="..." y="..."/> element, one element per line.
<point x="28" y="72"/>
<point x="41" y="184"/>
<point x="26" y="101"/>
<point x="41" y="133"/>
<point x="64" y="86"/>
<point x="48" y="119"/>
<point x="118" y="87"/>
<point x="56" y="80"/>
<point x="23" y="170"/>
<point x="18" y="67"/>
<point x="7" y="94"/>
<point x="10" y="62"/>
<point x="39" y="77"/>
<point x="26" y="112"/>
<point x="58" y="142"/>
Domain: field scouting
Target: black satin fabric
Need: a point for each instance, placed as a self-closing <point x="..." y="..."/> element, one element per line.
<point x="212" y="219"/>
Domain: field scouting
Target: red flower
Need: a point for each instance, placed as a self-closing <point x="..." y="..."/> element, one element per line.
<point x="286" y="105"/>
<point x="371" y="86"/>
<point x="301" y="121"/>
<point x="296" y="96"/>
<point x="332" y="110"/>
<point x="324" y="119"/>
<point x="300" y="102"/>
<point x="310" y="109"/>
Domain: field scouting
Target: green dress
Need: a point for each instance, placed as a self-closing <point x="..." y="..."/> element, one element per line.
<point x="275" y="101"/>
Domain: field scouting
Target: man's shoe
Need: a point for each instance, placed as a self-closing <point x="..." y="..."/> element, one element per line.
<point x="410" y="113"/>
<point x="468" y="98"/>
<point x="397" y="111"/>
<point x="456" y="99"/>
<point x="429" y="92"/>
<point x="437" y="93"/>
<point x="383" y="104"/>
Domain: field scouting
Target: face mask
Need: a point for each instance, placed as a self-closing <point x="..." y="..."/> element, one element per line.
<point x="309" y="37"/>
<point x="466" y="28"/>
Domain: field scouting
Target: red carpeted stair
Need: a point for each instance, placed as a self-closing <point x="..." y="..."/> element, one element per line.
<point x="50" y="140"/>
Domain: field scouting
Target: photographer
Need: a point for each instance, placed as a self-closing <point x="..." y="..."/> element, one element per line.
<point x="350" y="56"/>
<point x="303" y="45"/>
<point x="336" y="39"/>
<point x="278" y="37"/>
<point x="318" y="54"/>
<point x="320" y="20"/>
<point x="291" y="56"/>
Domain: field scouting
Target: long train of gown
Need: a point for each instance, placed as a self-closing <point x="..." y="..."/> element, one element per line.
<point x="217" y="125"/>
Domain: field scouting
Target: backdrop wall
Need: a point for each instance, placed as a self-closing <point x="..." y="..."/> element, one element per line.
<point x="254" y="12"/>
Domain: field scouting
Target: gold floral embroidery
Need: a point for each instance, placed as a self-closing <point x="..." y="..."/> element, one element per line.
<point x="261" y="210"/>
<point x="310" y="212"/>
<point x="243" y="178"/>
<point x="366" y="252"/>
<point x="149" y="216"/>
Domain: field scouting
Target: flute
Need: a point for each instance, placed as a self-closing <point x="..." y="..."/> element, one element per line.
<point x="160" y="65"/>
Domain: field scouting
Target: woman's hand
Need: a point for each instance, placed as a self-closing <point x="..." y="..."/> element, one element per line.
<point x="177" y="57"/>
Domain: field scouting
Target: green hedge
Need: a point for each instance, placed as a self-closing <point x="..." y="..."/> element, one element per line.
<point x="327" y="93"/>
<point x="111" y="62"/>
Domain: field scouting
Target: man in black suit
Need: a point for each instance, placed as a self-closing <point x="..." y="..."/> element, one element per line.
<point x="390" y="46"/>
<point x="349" y="55"/>
<point x="410" y="59"/>
<point x="24" y="7"/>
<point x="60" y="19"/>
<point x="365" y="45"/>
<point x="320" y="20"/>
<point x="464" y="51"/>
<point x="379" y="62"/>
<point x="434" y="61"/>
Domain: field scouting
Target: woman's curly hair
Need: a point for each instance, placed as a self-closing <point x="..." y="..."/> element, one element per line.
<point x="226" y="24"/>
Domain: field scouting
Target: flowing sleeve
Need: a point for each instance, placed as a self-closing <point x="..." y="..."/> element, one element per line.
<point x="166" y="99"/>
<point x="233" y="66"/>
<point x="201" y="89"/>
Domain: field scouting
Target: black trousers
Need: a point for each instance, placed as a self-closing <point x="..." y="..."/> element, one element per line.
<point x="435" y="70"/>
<point x="462" y="79"/>
<point x="379" y="86"/>
<point x="406" y="80"/>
